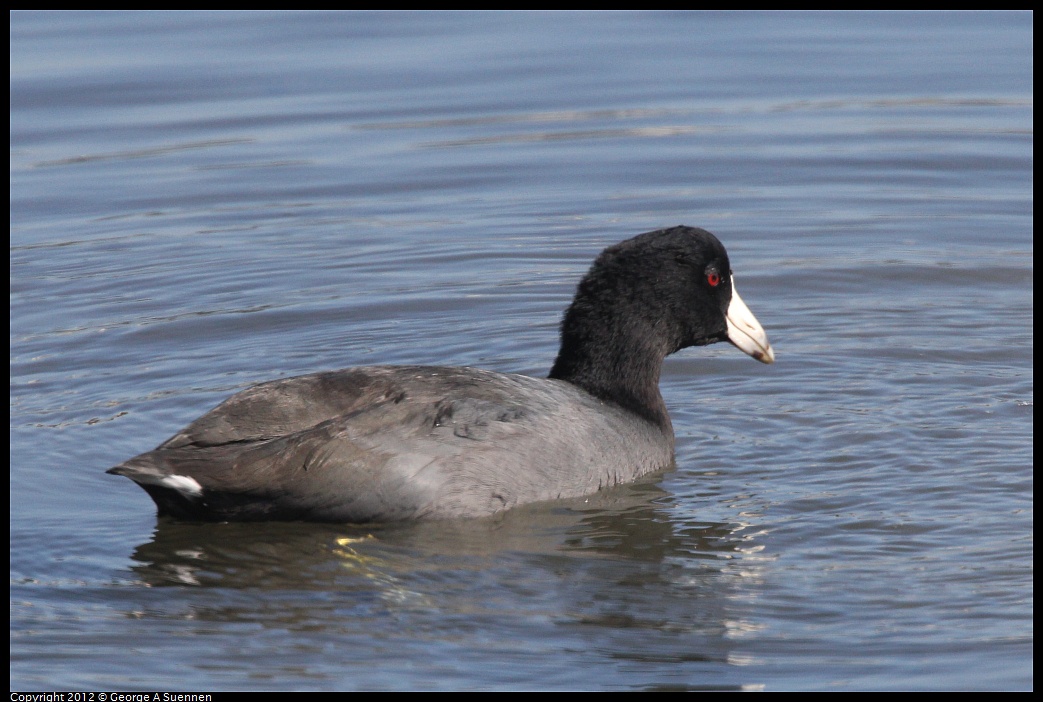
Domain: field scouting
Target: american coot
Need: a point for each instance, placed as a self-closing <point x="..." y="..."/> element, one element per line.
<point x="389" y="443"/>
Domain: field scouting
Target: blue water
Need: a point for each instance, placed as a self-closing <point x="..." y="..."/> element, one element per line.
<point x="204" y="201"/>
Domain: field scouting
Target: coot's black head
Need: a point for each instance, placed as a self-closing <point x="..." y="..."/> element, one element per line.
<point x="645" y="298"/>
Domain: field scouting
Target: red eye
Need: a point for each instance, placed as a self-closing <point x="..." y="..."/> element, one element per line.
<point x="713" y="278"/>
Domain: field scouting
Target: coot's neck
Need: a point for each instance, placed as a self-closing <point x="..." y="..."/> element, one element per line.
<point x="615" y="362"/>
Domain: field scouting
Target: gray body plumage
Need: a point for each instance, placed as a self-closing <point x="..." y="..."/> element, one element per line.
<point x="397" y="443"/>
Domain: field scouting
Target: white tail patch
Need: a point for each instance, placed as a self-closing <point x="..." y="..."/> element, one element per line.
<point x="182" y="483"/>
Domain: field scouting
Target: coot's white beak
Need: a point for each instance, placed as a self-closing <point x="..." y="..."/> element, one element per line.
<point x="745" y="331"/>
